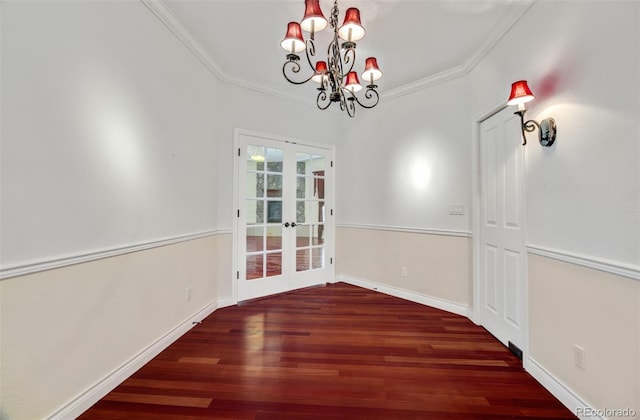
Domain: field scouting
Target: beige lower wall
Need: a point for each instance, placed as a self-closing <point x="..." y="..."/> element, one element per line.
<point x="66" y="329"/>
<point x="438" y="266"/>
<point x="600" y="312"/>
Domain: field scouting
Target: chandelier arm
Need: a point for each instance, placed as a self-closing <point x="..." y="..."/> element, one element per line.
<point x="294" y="67"/>
<point x="349" y="58"/>
<point x="369" y="94"/>
<point x="351" y="108"/>
<point x="310" y="52"/>
<point x="322" y="97"/>
<point x="348" y="103"/>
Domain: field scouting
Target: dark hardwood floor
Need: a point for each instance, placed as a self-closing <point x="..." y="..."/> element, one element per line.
<point x="334" y="352"/>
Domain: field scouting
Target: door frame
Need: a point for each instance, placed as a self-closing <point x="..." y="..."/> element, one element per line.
<point x="330" y="219"/>
<point x="476" y="201"/>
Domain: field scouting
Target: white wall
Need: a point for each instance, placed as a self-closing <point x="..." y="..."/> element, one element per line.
<point x="400" y="167"/>
<point x="108" y="141"/>
<point x="583" y="194"/>
<point x="251" y="110"/>
<point x="114" y="135"/>
<point x="581" y="61"/>
<point x="107" y="134"/>
<point x="406" y="161"/>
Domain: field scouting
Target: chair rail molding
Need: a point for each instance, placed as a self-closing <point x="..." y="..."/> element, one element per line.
<point x="45" y="264"/>
<point x="613" y="267"/>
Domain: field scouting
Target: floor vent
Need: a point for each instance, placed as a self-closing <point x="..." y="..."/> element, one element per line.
<point x="515" y="350"/>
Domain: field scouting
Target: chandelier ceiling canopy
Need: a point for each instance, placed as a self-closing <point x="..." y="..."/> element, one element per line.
<point x="338" y="83"/>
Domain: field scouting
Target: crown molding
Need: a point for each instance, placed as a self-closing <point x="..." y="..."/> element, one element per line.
<point x="171" y="21"/>
<point x="465" y="68"/>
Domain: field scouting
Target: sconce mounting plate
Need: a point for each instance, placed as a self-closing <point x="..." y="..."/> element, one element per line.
<point x="548" y="131"/>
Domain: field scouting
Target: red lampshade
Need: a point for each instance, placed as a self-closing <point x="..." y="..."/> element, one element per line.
<point x="313" y="20"/>
<point x="520" y="93"/>
<point x="351" y="29"/>
<point x="352" y="83"/>
<point x="371" y="70"/>
<point x="321" y="71"/>
<point x="293" y="41"/>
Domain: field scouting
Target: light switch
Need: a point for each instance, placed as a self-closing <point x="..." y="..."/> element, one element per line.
<point x="456" y="209"/>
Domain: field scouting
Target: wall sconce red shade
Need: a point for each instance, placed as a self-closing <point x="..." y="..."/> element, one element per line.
<point x="321" y="71"/>
<point x="520" y="93"/>
<point x="352" y="83"/>
<point x="371" y="70"/>
<point x="547" y="129"/>
<point x="313" y="19"/>
<point x="351" y="29"/>
<point x="293" y="41"/>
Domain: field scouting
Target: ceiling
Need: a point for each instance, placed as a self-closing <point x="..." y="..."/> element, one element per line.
<point x="417" y="42"/>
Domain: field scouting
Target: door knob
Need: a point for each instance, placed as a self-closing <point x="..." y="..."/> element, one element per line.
<point x="286" y="224"/>
<point x="293" y="224"/>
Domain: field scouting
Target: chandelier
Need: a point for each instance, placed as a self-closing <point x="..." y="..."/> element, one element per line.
<point x="338" y="82"/>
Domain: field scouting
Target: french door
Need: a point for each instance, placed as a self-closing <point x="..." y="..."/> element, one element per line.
<point x="284" y="206"/>
<point x="502" y="247"/>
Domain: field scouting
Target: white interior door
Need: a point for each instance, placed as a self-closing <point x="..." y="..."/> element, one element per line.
<point x="284" y="226"/>
<point x="502" y="253"/>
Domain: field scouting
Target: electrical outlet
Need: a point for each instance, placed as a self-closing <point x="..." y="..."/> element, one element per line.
<point x="579" y="357"/>
<point x="404" y="272"/>
<point x="187" y="296"/>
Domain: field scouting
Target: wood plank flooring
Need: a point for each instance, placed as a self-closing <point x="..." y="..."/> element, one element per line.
<point x="333" y="352"/>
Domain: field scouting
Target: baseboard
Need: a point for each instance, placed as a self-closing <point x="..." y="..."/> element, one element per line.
<point x="562" y="392"/>
<point x="84" y="401"/>
<point x="434" y="302"/>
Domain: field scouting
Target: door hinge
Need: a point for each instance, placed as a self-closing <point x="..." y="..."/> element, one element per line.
<point x="238" y="212"/>
<point x="332" y="164"/>
<point x="238" y="151"/>
<point x="237" y="274"/>
<point x="331" y="260"/>
<point x="331" y="212"/>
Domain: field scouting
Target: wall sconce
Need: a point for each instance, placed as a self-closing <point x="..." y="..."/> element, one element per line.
<point x="520" y="95"/>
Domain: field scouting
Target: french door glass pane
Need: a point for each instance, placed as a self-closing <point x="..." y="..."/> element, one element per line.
<point x="255" y="239"/>
<point x="302" y="236"/>
<point x="255" y="266"/>
<point x="302" y="260"/>
<point x="274" y="264"/>
<point x="255" y="185"/>
<point x="255" y="211"/>
<point x="263" y="212"/>
<point x="274" y="211"/>
<point x="310" y="184"/>
<point x="274" y="238"/>
<point x="317" y="257"/>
